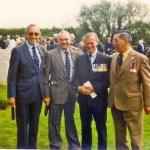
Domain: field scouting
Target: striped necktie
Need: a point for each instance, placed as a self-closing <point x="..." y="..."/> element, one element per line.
<point x="35" y="58"/>
<point x="67" y="64"/>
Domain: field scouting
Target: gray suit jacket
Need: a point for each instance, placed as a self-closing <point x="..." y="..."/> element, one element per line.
<point x="55" y="79"/>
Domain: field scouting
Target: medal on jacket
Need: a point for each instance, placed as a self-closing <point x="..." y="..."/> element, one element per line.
<point x="99" y="67"/>
<point x="133" y="67"/>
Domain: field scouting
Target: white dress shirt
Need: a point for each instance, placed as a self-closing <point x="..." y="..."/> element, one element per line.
<point x="93" y="56"/>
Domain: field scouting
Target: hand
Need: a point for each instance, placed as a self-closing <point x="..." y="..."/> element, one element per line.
<point x="47" y="101"/>
<point x="11" y="101"/>
<point x="147" y="110"/>
<point x="89" y="88"/>
<point x="85" y="90"/>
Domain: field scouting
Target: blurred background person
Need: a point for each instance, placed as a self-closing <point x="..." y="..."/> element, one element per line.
<point x="109" y="49"/>
<point x="7" y="41"/>
<point x="141" y="46"/>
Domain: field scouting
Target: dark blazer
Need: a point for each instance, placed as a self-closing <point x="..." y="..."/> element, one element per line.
<point x="23" y="81"/>
<point x="99" y="80"/>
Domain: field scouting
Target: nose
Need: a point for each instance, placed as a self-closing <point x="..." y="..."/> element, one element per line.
<point x="89" y="46"/>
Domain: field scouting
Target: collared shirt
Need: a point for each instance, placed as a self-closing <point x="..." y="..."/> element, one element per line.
<point x="70" y="58"/>
<point x="93" y="56"/>
<point x="125" y="54"/>
<point x="31" y="51"/>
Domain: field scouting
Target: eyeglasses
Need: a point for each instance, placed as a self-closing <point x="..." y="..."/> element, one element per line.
<point x="32" y="33"/>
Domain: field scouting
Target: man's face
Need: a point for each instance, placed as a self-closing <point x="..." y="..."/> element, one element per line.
<point x="64" y="41"/>
<point x="119" y="44"/>
<point x="91" y="44"/>
<point x="33" y="35"/>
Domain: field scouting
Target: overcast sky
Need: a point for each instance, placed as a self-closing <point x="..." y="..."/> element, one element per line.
<point x="45" y="13"/>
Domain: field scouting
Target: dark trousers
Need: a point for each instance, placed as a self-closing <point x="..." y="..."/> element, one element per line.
<point x="55" y="115"/>
<point x="89" y="110"/>
<point x="27" y="117"/>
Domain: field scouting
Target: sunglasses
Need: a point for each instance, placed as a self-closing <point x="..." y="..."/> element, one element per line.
<point x="32" y="33"/>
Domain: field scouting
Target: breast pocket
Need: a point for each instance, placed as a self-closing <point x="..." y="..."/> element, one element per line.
<point x="132" y="77"/>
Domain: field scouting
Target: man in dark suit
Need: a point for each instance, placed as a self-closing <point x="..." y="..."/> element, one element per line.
<point x="60" y="64"/>
<point x="25" y="87"/>
<point x="92" y="82"/>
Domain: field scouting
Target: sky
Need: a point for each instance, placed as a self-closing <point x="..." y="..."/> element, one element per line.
<point x="45" y="13"/>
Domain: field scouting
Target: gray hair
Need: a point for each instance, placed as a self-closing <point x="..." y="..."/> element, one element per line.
<point x="90" y="34"/>
<point x="63" y="32"/>
<point x="31" y="25"/>
<point x="125" y="36"/>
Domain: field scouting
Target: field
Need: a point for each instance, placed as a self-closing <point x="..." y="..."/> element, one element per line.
<point x="8" y="129"/>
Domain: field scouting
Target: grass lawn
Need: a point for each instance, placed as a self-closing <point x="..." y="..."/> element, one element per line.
<point x="8" y="129"/>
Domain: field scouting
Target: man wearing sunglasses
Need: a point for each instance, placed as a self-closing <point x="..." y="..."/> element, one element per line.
<point x="25" y="86"/>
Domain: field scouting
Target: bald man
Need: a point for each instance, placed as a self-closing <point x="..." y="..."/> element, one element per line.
<point x="60" y="64"/>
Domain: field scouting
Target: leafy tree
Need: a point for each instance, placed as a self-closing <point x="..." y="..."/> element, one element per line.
<point x="105" y="17"/>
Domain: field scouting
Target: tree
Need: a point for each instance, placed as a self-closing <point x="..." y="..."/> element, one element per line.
<point x="105" y="18"/>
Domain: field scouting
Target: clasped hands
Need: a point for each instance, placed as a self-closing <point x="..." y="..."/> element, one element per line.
<point x="86" y="90"/>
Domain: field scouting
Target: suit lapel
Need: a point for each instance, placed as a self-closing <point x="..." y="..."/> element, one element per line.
<point x="41" y="52"/>
<point x="88" y="66"/>
<point x="95" y="61"/>
<point x="114" y="64"/>
<point x="73" y="56"/>
<point x="60" y="60"/>
<point x="28" y="56"/>
<point x="126" y="63"/>
<point x="42" y="56"/>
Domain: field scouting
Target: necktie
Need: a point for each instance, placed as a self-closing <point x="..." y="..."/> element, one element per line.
<point x="35" y="58"/>
<point x="90" y="58"/>
<point x="120" y="59"/>
<point x="67" y="64"/>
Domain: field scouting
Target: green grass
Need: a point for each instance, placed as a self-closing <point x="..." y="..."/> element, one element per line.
<point x="8" y="129"/>
<point x="3" y="93"/>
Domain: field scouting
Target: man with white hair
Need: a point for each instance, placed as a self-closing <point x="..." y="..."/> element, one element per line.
<point x="92" y="82"/>
<point x="60" y="64"/>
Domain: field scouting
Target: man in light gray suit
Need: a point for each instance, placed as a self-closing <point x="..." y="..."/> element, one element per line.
<point x="59" y="90"/>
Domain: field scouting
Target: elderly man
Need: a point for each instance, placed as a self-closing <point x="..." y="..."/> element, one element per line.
<point x="129" y="92"/>
<point x="92" y="82"/>
<point x="25" y="87"/>
<point x="60" y="63"/>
